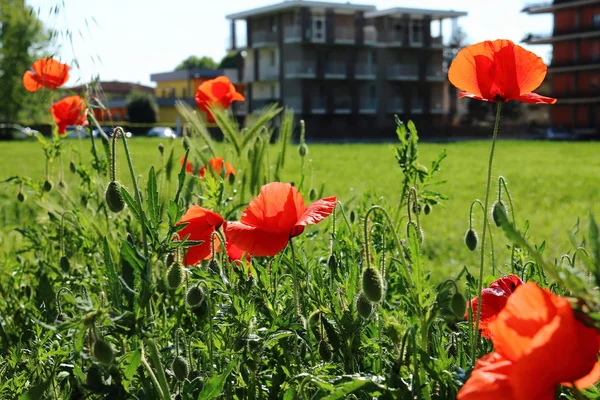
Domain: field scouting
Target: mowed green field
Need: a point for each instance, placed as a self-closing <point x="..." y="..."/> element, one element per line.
<point x="552" y="183"/>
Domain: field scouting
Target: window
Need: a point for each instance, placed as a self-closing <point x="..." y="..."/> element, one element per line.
<point x="416" y="32"/>
<point x="272" y="91"/>
<point x="273" y="58"/>
<point x="596" y="20"/>
<point x="273" y="24"/>
<point x="398" y="34"/>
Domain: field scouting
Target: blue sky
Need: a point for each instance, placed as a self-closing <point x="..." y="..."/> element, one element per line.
<point x="127" y="40"/>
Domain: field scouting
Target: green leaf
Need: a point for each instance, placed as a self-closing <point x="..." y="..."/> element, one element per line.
<point x="215" y="384"/>
<point x="169" y="165"/>
<point x="130" y="203"/>
<point x="228" y="126"/>
<point x="131" y="361"/>
<point x="114" y="293"/>
<point x="343" y="389"/>
<point x="130" y="255"/>
<point x="36" y="392"/>
<point x="152" y="198"/>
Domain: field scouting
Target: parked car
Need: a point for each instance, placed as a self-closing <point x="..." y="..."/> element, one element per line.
<point x="108" y="130"/>
<point x="76" y="131"/>
<point x="18" y="132"/>
<point x="162" y="132"/>
<point x="559" y="133"/>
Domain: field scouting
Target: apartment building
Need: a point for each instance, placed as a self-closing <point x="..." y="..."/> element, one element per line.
<point x="575" y="67"/>
<point x="345" y="68"/>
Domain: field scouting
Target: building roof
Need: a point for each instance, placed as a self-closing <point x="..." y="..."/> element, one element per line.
<point x="542" y="8"/>
<point x="115" y="87"/>
<point x="398" y="11"/>
<point x="291" y="4"/>
<point x="186" y="74"/>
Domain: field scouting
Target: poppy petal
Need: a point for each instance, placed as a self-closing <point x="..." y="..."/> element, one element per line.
<point x="256" y="241"/>
<point x="30" y="82"/>
<point x="534" y="98"/>
<point x="201" y="224"/>
<point x="238" y="97"/>
<point x="277" y="208"/>
<point x="530" y="69"/>
<point x="588" y="380"/>
<point x="317" y="211"/>
<point x="473" y="96"/>
<point x="489" y="380"/>
<point x="196" y="254"/>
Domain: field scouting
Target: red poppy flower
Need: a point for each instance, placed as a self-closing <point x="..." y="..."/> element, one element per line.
<point x="201" y="225"/>
<point x="47" y="73"/>
<point x="69" y="111"/>
<point x="499" y="70"/>
<point x="493" y="301"/>
<point x="536" y="336"/>
<point x="277" y="214"/>
<point x="189" y="168"/>
<point x="218" y="92"/>
<point x="216" y="164"/>
<point x="234" y="253"/>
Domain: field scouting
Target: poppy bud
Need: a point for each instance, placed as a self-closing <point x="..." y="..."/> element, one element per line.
<point x="64" y="263"/>
<point x="94" y="377"/>
<point x="239" y="344"/>
<point x="201" y="311"/>
<point x="325" y="350"/>
<point x="170" y="259"/>
<point x="363" y="306"/>
<point x="312" y="195"/>
<point x="471" y="239"/>
<point x="84" y="200"/>
<point x="20" y="197"/>
<point x="352" y="216"/>
<point x="427" y="209"/>
<point x="103" y="352"/>
<point x="372" y="284"/>
<point x="416" y="208"/>
<point x="332" y="333"/>
<point x="161" y="148"/>
<point x="175" y="276"/>
<point x="72" y="167"/>
<point x="194" y="296"/>
<point x="420" y="234"/>
<point x="214" y="265"/>
<point x="62" y="185"/>
<point x="186" y="143"/>
<point x="499" y="212"/>
<point x="231" y="179"/>
<point x="332" y="264"/>
<point x="303" y="150"/>
<point x="313" y="323"/>
<point x="114" y="198"/>
<point x="181" y="368"/>
<point x="459" y="304"/>
<point x="47" y="186"/>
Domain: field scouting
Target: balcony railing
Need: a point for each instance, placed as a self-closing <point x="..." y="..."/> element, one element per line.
<point x="335" y="69"/>
<point x="342" y="104"/>
<point x="437" y="108"/>
<point x="367" y="105"/>
<point x="299" y="69"/>
<point x="239" y="107"/>
<point x="261" y="103"/>
<point x="582" y="62"/>
<point x="318" y="105"/>
<point x="395" y="37"/>
<point x="417" y="106"/>
<point x="263" y="38"/>
<point x="435" y="73"/>
<point x="344" y="34"/>
<point x="292" y="33"/>
<point x="268" y="72"/>
<point x="365" y="71"/>
<point x="294" y="102"/>
<point x="403" y="71"/>
<point x="240" y="42"/>
<point x="370" y="34"/>
<point x="584" y="30"/>
<point x="437" y="42"/>
<point x="395" y="104"/>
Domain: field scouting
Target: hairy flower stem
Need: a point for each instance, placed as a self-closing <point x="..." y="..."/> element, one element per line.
<point x="5" y="341"/>
<point x="295" y="277"/>
<point x="485" y="222"/>
<point x="152" y="376"/>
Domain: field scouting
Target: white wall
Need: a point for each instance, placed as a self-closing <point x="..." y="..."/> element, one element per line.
<point x="265" y="90"/>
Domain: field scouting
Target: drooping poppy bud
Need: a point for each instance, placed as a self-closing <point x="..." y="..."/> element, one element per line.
<point x="20" y="197"/>
<point x="363" y="306"/>
<point x="103" y="352"/>
<point x="372" y="284"/>
<point x="64" y="263"/>
<point x="302" y="150"/>
<point x="175" y="276"/>
<point x="458" y="304"/>
<point x="333" y="337"/>
<point x="113" y="197"/>
<point x="427" y="209"/>
<point x="471" y="239"/>
<point x="94" y="377"/>
<point x="194" y="296"/>
<point x="47" y="186"/>
<point x="181" y="368"/>
<point x="325" y="350"/>
<point x="72" y="167"/>
<point x="499" y="212"/>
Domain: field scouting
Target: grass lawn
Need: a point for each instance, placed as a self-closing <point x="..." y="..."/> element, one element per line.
<point x="552" y="184"/>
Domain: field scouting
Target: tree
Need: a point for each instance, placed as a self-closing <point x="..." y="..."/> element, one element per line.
<point x="22" y="41"/>
<point x="193" y="62"/>
<point x="141" y="107"/>
<point x="231" y="60"/>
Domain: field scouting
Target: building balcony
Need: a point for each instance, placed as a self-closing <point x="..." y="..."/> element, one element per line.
<point x="300" y="69"/>
<point x="395" y="105"/>
<point x="370" y="35"/>
<point x="581" y="32"/>
<point x="417" y="106"/>
<point x="335" y="70"/>
<point x="318" y="105"/>
<point x="574" y="65"/>
<point x="367" y="105"/>
<point x="437" y="42"/>
<point x="257" y="104"/>
<point x="239" y="107"/>
<point x="551" y="6"/>
<point x="344" y="34"/>
<point x="268" y="73"/>
<point x="435" y="74"/>
<point x="365" y="71"/>
<point x="342" y="105"/>
<point x="240" y="43"/>
<point x="593" y="92"/>
<point x="264" y="39"/>
<point x="293" y="102"/>
<point x="292" y="34"/>
<point x="405" y="72"/>
<point x="437" y="108"/>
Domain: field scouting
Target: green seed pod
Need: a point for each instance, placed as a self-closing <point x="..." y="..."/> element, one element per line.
<point x="303" y="150"/>
<point x="175" y="276"/>
<point x="114" y="198"/>
<point x="21" y="197"/>
<point x="459" y="304"/>
<point x="427" y="209"/>
<point x="94" y="377"/>
<point x="181" y="368"/>
<point x="65" y="264"/>
<point x="372" y="284"/>
<point x="312" y="195"/>
<point x="325" y="350"/>
<point x="363" y="306"/>
<point x="194" y="296"/>
<point x="103" y="352"/>
<point x="471" y="239"/>
<point x="72" y="167"/>
<point x="47" y="186"/>
<point x="498" y="212"/>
